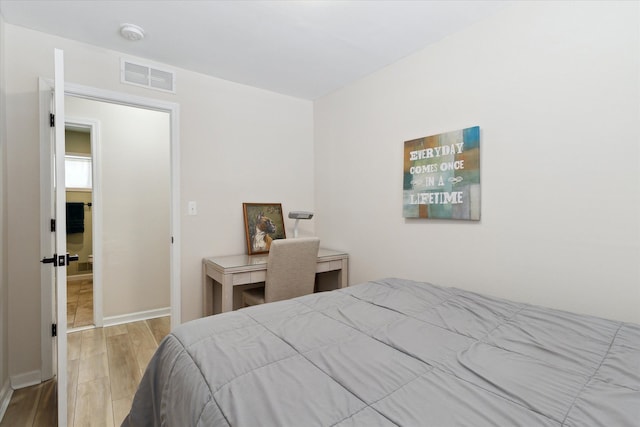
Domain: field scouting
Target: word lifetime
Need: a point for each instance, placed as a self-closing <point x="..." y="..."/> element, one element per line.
<point x="429" y="153"/>
<point x="441" y="198"/>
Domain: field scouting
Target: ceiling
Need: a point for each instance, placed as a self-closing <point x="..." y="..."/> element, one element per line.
<point x="304" y="48"/>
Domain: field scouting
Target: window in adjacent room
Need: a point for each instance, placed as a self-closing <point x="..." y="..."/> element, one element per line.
<point x="78" y="172"/>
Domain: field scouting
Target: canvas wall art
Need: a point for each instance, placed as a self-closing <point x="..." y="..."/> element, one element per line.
<point x="442" y="176"/>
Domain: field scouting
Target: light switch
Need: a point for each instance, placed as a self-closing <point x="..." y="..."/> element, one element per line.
<point x="192" y="208"/>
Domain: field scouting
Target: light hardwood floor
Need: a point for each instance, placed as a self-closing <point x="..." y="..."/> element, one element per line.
<point x="105" y="366"/>
<point x="79" y="303"/>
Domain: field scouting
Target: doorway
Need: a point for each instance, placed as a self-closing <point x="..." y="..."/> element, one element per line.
<point x="131" y="205"/>
<point x="80" y="137"/>
<point x="170" y="240"/>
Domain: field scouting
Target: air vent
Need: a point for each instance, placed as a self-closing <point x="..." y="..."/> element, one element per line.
<point x="147" y="76"/>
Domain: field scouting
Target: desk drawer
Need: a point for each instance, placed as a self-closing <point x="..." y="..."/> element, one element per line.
<point x="328" y="266"/>
<point x="258" y="276"/>
<point x="241" y="278"/>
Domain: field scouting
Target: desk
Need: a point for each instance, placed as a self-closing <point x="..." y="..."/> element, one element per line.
<point x="221" y="274"/>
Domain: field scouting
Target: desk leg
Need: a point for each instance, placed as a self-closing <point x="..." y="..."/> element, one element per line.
<point x="207" y="289"/>
<point x="343" y="274"/>
<point x="227" y="293"/>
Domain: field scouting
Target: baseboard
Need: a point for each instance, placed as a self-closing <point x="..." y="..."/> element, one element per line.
<point x="5" y="398"/>
<point x="25" y="380"/>
<point x="135" y="317"/>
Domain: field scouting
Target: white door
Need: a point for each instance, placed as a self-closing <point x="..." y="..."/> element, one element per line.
<point x="54" y="236"/>
<point x="60" y="238"/>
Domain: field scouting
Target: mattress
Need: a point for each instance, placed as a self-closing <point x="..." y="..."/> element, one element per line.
<point x="394" y="352"/>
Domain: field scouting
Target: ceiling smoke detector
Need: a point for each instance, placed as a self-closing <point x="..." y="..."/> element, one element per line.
<point x="131" y="32"/>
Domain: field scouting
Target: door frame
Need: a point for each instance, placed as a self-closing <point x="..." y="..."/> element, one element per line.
<point x="71" y="89"/>
<point x="93" y="126"/>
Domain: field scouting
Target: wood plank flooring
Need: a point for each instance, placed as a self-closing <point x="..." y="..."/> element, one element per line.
<point x="104" y="368"/>
<point x="79" y="303"/>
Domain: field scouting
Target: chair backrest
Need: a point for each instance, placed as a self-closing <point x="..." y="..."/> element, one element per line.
<point x="291" y="268"/>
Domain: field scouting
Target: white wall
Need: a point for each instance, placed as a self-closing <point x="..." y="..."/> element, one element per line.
<point x="135" y="203"/>
<point x="237" y="144"/>
<point x="4" y="356"/>
<point x="555" y="90"/>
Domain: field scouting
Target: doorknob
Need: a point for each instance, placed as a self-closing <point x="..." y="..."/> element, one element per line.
<point x="53" y="260"/>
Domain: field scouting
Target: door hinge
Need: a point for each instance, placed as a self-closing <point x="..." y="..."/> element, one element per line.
<point x="54" y="330"/>
<point x="52" y="120"/>
<point x="53" y="225"/>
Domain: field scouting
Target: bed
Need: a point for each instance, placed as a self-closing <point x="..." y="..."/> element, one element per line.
<point x="394" y="352"/>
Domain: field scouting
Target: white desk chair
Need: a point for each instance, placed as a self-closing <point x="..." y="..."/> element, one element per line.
<point x="291" y="271"/>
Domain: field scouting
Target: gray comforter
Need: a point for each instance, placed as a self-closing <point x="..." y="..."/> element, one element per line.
<point x="394" y="352"/>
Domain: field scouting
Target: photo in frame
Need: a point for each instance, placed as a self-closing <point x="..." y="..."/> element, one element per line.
<point x="263" y="223"/>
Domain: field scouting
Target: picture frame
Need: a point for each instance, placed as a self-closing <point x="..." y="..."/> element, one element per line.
<point x="263" y="223"/>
